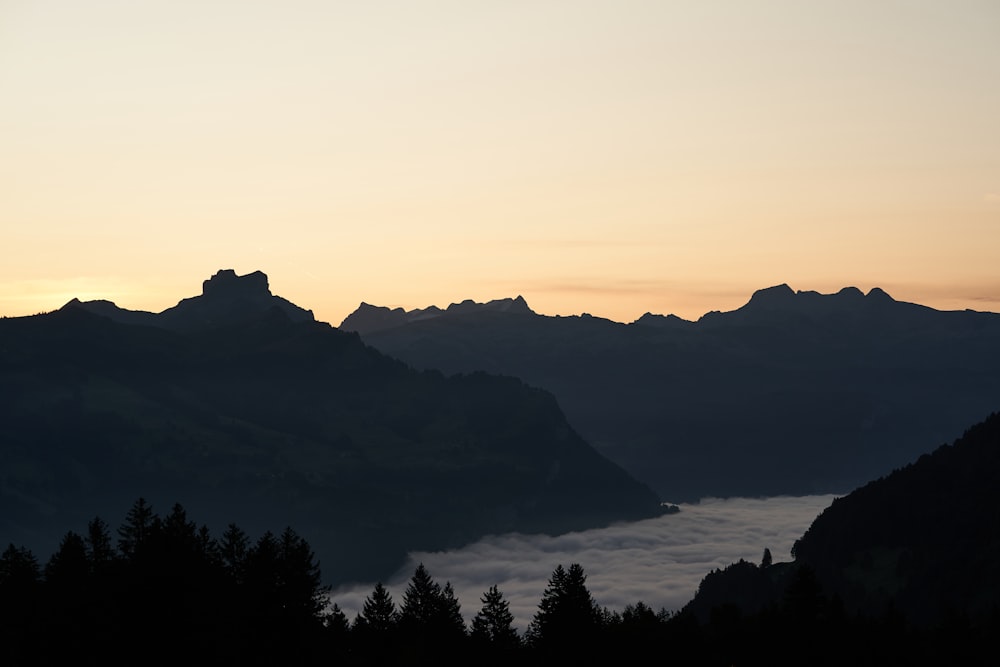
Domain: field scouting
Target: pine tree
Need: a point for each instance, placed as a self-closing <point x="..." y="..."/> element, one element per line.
<point x="494" y="624"/>
<point x="180" y="535"/>
<point x="567" y="614"/>
<point x="420" y="601"/>
<point x="378" y="614"/>
<point x="234" y="549"/>
<point x="135" y="532"/>
<point x="100" y="552"/>
<point x="451" y="620"/>
<point x="20" y="608"/>
<point x="68" y="568"/>
<point x="430" y="614"/>
<point x="18" y="569"/>
<point x="301" y="592"/>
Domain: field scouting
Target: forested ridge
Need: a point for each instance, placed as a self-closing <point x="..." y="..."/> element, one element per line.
<point x="164" y="590"/>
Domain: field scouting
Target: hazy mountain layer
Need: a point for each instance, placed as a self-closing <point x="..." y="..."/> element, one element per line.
<point x="795" y="392"/>
<point x="239" y="406"/>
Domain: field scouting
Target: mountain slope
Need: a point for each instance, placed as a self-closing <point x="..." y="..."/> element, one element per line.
<point x="243" y="414"/>
<point x="926" y="537"/>
<point x="795" y="392"/>
<point x="921" y="543"/>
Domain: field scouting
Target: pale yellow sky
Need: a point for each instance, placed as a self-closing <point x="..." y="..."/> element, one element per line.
<point x="608" y="157"/>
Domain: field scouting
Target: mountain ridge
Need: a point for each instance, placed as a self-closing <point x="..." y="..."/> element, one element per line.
<point x="226" y="298"/>
<point x="260" y="419"/>
<point x="792" y="393"/>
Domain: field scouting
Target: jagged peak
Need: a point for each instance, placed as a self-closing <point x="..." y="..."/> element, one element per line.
<point x="507" y="305"/>
<point x="225" y="282"/>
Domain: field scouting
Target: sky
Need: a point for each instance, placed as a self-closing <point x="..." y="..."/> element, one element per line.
<point x="657" y="561"/>
<point x="614" y="158"/>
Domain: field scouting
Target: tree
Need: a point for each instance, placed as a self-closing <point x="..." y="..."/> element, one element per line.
<point x="378" y="614"/>
<point x="494" y="624"/>
<point x="18" y="569"/>
<point x="180" y="535"/>
<point x="452" y="622"/>
<point x="301" y="591"/>
<point x="100" y="552"/>
<point x="135" y="532"/>
<point x="766" y="560"/>
<point x="430" y="615"/>
<point x="68" y="569"/>
<point x="20" y="608"/>
<point x="234" y="549"/>
<point x="420" y="601"/>
<point x="567" y="614"/>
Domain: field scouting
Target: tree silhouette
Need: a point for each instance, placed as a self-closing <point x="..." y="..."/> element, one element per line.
<point x="234" y="549"/>
<point x="302" y="594"/>
<point x="378" y="614"/>
<point x="567" y="614"/>
<point x="493" y="626"/>
<point x="136" y="529"/>
<point x="100" y="551"/>
<point x="430" y="616"/>
<point x="19" y="605"/>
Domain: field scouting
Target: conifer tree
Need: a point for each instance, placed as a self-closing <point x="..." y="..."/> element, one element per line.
<point x="100" y="552"/>
<point x="234" y="549"/>
<point x="68" y="569"/>
<point x="302" y="593"/>
<point x="494" y="624"/>
<point x="420" y="601"/>
<point x="136" y="531"/>
<point x="566" y="611"/>
<point x="378" y="614"/>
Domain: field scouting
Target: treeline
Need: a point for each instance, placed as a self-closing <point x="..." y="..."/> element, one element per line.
<point x="166" y="591"/>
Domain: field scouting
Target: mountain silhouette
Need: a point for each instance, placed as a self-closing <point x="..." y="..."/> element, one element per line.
<point x="242" y="407"/>
<point x="226" y="299"/>
<point x="794" y="392"/>
<point x="920" y="544"/>
<point x="368" y="318"/>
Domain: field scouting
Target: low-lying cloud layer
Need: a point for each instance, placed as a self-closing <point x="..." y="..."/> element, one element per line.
<point x="658" y="561"/>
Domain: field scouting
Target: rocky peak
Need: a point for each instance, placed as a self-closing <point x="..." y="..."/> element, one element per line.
<point x="225" y="283"/>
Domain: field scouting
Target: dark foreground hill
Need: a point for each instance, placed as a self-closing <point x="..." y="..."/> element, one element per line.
<point x="794" y="393"/>
<point x="919" y="545"/>
<point x="240" y="406"/>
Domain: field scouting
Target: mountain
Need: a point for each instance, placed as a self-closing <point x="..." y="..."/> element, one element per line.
<point x="925" y="538"/>
<point x="226" y="299"/>
<point x="239" y="405"/>
<point x="793" y="393"/>
<point x="367" y="318"/>
<point x="921" y="544"/>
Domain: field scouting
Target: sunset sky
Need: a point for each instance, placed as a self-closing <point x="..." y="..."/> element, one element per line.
<point x="607" y="157"/>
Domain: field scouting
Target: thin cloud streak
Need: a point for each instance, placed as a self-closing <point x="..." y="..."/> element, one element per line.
<point x="658" y="561"/>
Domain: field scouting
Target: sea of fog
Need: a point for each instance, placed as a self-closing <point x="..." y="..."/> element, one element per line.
<point x="658" y="561"/>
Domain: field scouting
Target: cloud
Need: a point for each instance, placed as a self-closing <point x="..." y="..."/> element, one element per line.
<point x="658" y="561"/>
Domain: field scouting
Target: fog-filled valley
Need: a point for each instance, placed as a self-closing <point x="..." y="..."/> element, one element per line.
<point x="657" y="561"/>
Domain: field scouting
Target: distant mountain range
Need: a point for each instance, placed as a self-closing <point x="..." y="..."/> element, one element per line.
<point x="795" y="392"/>
<point x="240" y="406"/>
